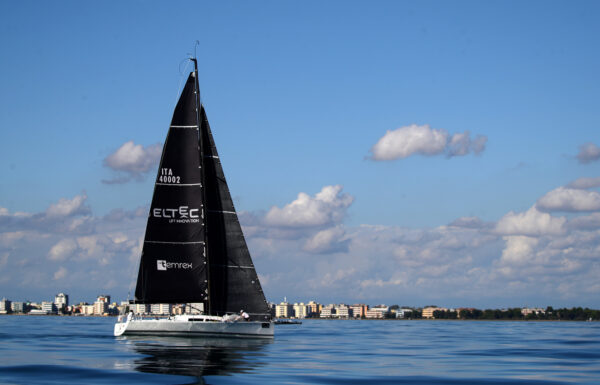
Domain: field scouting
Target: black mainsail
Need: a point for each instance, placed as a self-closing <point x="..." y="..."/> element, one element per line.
<point x="194" y="249"/>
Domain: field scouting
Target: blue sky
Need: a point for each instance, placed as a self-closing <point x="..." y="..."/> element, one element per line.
<point x="434" y="143"/>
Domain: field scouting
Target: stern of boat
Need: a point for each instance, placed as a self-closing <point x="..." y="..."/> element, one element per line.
<point x="121" y="325"/>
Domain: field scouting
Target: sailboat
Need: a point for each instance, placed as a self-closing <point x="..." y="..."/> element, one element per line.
<point x="194" y="250"/>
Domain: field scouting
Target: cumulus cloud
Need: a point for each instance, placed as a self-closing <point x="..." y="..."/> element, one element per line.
<point x="132" y="161"/>
<point x="424" y="140"/>
<point x="569" y="199"/>
<point x="532" y="222"/>
<point x="62" y="250"/>
<point x="519" y="249"/>
<point x="69" y="207"/>
<point x="588" y="153"/>
<point x="60" y="273"/>
<point x="585" y="183"/>
<point x="327" y="241"/>
<point x="327" y="207"/>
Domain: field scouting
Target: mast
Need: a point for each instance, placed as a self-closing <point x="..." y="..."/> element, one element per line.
<point x="202" y="175"/>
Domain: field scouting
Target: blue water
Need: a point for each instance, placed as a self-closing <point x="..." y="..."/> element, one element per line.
<point x="57" y="350"/>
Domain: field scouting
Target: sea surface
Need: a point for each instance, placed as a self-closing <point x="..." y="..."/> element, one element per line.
<point x="82" y="350"/>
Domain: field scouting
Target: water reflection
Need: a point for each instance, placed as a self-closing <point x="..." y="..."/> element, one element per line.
<point x="198" y="357"/>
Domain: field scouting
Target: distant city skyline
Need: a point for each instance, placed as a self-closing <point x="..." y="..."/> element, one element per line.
<point x="396" y="152"/>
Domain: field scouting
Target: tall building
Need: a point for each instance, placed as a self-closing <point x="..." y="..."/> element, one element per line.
<point x="104" y="298"/>
<point x="359" y="310"/>
<point x="5" y="306"/>
<point x="139" y="308"/>
<point x="328" y="311"/>
<point x="61" y="300"/>
<point x="284" y="310"/>
<point x="314" y="309"/>
<point x="300" y="310"/>
<point x="49" y="307"/>
<point x="160" y="308"/>
<point x="343" y="311"/>
<point x="17" y="307"/>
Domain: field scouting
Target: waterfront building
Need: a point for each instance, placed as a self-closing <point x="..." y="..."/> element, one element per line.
<point x="17" y="307"/>
<point x="359" y="310"/>
<point x="87" y="309"/>
<point x="5" y="306"/>
<point x="104" y="298"/>
<point x="139" y="308"/>
<point x="100" y="307"/>
<point x="343" y="311"/>
<point x="161" y="308"/>
<point x="536" y="310"/>
<point x="428" y="311"/>
<point x="379" y="311"/>
<point x="49" y="307"/>
<point x="314" y="309"/>
<point x="284" y="310"/>
<point x="328" y="311"/>
<point x="300" y="310"/>
<point x="404" y="313"/>
<point x="61" y="300"/>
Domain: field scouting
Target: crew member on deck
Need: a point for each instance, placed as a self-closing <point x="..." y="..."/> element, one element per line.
<point x="244" y="315"/>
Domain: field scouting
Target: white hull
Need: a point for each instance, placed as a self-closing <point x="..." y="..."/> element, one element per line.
<point x="191" y="326"/>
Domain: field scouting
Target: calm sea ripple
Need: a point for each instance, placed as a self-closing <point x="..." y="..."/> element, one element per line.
<point x="56" y="350"/>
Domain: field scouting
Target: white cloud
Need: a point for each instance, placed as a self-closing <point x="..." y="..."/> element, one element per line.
<point x="62" y="250"/>
<point x="591" y="221"/>
<point x="327" y="207"/>
<point x="532" y="222"/>
<point x="69" y="207"/>
<point x="588" y="153"/>
<point x="60" y="273"/>
<point x="519" y="249"/>
<point x="327" y="241"/>
<point x="585" y="183"/>
<point x="409" y="140"/>
<point x="568" y="199"/>
<point x="133" y="161"/>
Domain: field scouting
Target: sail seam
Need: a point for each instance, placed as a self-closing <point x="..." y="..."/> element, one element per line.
<point x="184" y="126"/>
<point x="221" y="211"/>
<point x="239" y="267"/>
<point x="179" y="184"/>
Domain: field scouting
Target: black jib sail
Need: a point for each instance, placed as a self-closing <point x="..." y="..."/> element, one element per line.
<point x="194" y="249"/>
<point x="234" y="284"/>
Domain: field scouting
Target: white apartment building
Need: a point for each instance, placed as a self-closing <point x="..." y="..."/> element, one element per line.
<point x="61" y="300"/>
<point x="5" y="306"/>
<point x="49" y="307"/>
<point x="343" y="311"/>
<point x="87" y="309"/>
<point x="17" y="307"/>
<point x="161" y="308"/>
<point x="139" y="308"/>
<point x="301" y="310"/>
<point x="403" y="313"/>
<point x="284" y="310"/>
<point x="328" y="311"/>
<point x="359" y="310"/>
